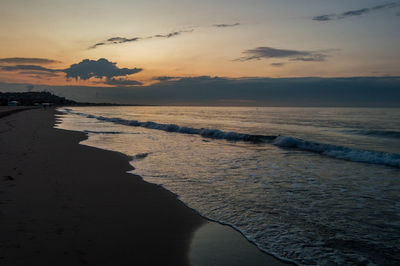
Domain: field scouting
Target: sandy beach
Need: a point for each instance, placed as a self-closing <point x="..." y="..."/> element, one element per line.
<point x="62" y="203"/>
<point x="6" y="110"/>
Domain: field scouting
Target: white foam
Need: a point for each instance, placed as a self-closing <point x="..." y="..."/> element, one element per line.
<point x="340" y="152"/>
<point x="334" y="151"/>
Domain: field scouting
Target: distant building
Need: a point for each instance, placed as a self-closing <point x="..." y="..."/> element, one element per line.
<point x="13" y="103"/>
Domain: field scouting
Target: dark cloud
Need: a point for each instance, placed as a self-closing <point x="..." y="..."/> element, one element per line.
<point x="101" y="68"/>
<point x="214" y="91"/>
<point x="122" y="39"/>
<point x="279" y="64"/>
<point x="294" y="55"/>
<point x="27" y="60"/>
<point x="115" y="40"/>
<point x="97" y="45"/>
<point x="196" y="79"/>
<point x="352" y="13"/>
<point x="325" y="17"/>
<point x="269" y="52"/>
<point x="119" y="40"/>
<point x="165" y="78"/>
<point x="84" y="70"/>
<point x="123" y="82"/>
<point x="169" y="35"/>
<point x="357" y="12"/>
<point x="206" y="90"/>
<point x="226" y="25"/>
<point x="29" y="67"/>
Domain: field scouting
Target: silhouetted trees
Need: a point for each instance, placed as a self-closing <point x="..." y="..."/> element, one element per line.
<point x="32" y="98"/>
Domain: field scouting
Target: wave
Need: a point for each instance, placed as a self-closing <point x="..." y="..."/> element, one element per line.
<point x="340" y="152"/>
<point x="330" y="150"/>
<point x="377" y="133"/>
<point x="204" y="132"/>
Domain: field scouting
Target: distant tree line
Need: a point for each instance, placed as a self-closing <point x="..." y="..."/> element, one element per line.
<point x="38" y="98"/>
<point x="32" y="98"/>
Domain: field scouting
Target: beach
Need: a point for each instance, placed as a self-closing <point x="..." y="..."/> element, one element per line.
<point x="62" y="203"/>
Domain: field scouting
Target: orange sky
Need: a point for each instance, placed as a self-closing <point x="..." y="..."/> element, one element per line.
<point x="210" y="37"/>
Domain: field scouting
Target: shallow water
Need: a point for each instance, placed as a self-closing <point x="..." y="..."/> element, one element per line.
<point x="290" y="193"/>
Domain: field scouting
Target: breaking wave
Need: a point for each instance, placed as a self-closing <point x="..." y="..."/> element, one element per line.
<point x="340" y="152"/>
<point x="330" y="150"/>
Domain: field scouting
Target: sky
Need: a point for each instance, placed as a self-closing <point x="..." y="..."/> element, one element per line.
<point x="137" y="43"/>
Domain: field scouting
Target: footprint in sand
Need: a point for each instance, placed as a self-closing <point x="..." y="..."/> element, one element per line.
<point x="8" y="178"/>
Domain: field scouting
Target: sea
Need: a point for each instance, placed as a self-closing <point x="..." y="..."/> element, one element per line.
<point x="314" y="186"/>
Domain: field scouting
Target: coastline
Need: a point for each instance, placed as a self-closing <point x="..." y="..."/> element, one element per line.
<point x="62" y="203"/>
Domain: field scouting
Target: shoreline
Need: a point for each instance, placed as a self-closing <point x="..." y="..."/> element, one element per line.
<point x="272" y="259"/>
<point x="62" y="203"/>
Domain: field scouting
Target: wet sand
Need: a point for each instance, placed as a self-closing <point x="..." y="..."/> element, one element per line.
<point x="62" y="203"/>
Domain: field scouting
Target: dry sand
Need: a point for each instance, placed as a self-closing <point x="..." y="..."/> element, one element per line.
<point x="7" y="110"/>
<point x="62" y="203"/>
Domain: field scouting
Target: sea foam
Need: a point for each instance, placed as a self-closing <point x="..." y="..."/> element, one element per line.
<point x="330" y="150"/>
<point x="340" y="152"/>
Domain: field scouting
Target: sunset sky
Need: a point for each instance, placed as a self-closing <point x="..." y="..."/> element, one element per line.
<point x="146" y="42"/>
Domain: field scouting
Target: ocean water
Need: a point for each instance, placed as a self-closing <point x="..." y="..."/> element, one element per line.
<point x="316" y="186"/>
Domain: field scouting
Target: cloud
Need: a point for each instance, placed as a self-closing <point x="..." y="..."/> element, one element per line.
<point x="226" y="25"/>
<point x="115" y="40"/>
<point x="122" y="82"/>
<point x="165" y="78"/>
<point x="97" y="45"/>
<point x="119" y="40"/>
<point x="189" y="79"/>
<point x="216" y="91"/>
<point x="101" y="68"/>
<point x="294" y="55"/>
<point x="83" y="70"/>
<point x="169" y="35"/>
<point x="29" y="67"/>
<point x="39" y="74"/>
<point x="312" y="57"/>
<point x="279" y="64"/>
<point x="352" y="13"/>
<point x="27" y="60"/>
<point x="325" y="17"/>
